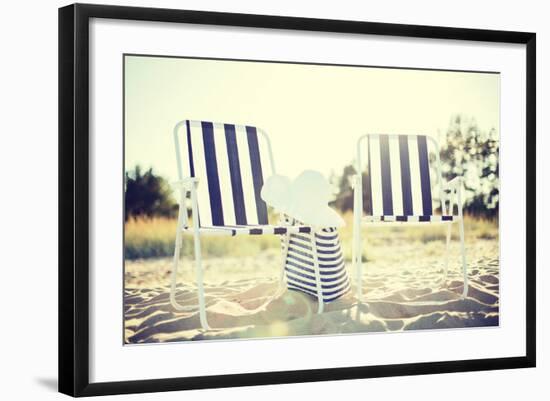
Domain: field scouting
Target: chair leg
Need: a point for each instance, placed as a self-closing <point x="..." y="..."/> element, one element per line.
<point x="282" y="274"/>
<point x="353" y="250"/>
<point x="447" y="243"/>
<point x="177" y="250"/>
<point x="317" y="273"/>
<point x="463" y="251"/>
<point x="358" y="263"/>
<point x="199" y="278"/>
<point x="200" y="286"/>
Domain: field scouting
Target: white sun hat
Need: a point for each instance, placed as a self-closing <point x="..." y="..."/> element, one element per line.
<point x="276" y="192"/>
<point x="310" y="194"/>
<point x="305" y="199"/>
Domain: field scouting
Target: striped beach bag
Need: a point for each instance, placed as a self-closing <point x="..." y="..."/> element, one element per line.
<point x="300" y="264"/>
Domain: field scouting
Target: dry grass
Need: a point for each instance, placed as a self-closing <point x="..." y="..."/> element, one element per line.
<point x="155" y="237"/>
<point x="146" y="238"/>
<point x="430" y="236"/>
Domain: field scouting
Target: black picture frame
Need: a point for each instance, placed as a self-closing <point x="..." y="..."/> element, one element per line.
<point x="74" y="198"/>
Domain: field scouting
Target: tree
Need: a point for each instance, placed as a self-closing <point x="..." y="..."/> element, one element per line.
<point x="343" y="200"/>
<point x="147" y="195"/>
<point x="473" y="154"/>
<point x="344" y="193"/>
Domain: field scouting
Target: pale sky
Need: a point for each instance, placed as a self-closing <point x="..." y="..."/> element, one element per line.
<point x="312" y="114"/>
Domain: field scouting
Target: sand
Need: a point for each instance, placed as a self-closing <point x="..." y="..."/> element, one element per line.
<point x="402" y="291"/>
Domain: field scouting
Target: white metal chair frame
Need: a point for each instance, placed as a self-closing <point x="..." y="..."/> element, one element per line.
<point x="189" y="185"/>
<point x="454" y="189"/>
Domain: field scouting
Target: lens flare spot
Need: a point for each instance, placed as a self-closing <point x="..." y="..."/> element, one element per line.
<point x="278" y="329"/>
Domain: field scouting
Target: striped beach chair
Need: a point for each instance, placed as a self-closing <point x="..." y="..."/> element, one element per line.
<point x="223" y="168"/>
<point x="398" y="191"/>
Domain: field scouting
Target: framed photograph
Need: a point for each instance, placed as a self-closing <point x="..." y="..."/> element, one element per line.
<point x="251" y="199"/>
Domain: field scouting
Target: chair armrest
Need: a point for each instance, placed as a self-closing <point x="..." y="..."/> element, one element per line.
<point x="454" y="197"/>
<point x="453" y="184"/>
<point x="354" y="180"/>
<point x="186" y="184"/>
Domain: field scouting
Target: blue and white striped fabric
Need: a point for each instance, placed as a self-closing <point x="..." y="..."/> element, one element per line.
<point x="299" y="264"/>
<point x="250" y="230"/>
<point x="398" y="184"/>
<point x="230" y="162"/>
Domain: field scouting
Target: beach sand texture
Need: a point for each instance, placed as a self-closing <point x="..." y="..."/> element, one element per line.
<point x="401" y="285"/>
